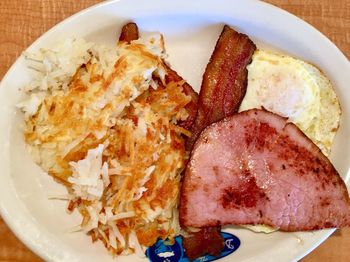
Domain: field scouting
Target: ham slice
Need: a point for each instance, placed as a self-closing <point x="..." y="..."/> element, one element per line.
<point x="256" y="168"/>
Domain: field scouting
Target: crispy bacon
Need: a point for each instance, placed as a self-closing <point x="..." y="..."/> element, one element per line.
<point x="223" y="88"/>
<point x="191" y="107"/>
<point x="206" y="241"/>
<point x="129" y="32"/>
<point x="224" y="81"/>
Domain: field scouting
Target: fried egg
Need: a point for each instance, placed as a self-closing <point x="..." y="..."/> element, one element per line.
<point x="297" y="90"/>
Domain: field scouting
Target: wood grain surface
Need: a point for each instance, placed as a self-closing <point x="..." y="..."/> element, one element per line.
<point x="22" y="21"/>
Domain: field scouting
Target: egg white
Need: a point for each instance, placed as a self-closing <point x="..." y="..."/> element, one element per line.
<point x="295" y="89"/>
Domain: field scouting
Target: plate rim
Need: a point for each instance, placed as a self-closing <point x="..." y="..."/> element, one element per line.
<point x="6" y="216"/>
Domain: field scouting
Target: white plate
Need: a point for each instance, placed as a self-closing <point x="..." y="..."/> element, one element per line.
<point x="190" y="29"/>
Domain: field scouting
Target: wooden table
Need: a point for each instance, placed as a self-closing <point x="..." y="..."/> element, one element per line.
<point x="22" y="21"/>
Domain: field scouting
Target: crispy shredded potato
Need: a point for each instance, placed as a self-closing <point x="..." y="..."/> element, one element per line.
<point x="108" y="131"/>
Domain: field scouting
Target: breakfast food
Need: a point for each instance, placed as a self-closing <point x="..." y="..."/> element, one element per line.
<point x="104" y="121"/>
<point x="115" y="125"/>
<point x="295" y="89"/>
<point x="208" y="240"/>
<point x="282" y="84"/>
<point x="129" y="33"/>
<point x="261" y="170"/>
<point x="223" y="87"/>
<point x="192" y="106"/>
<point x="224" y="81"/>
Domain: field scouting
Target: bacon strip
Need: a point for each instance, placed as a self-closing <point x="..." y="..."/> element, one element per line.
<point x="223" y="88"/>
<point x="206" y="241"/>
<point x="129" y="33"/>
<point x="224" y="81"/>
<point x="191" y="107"/>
